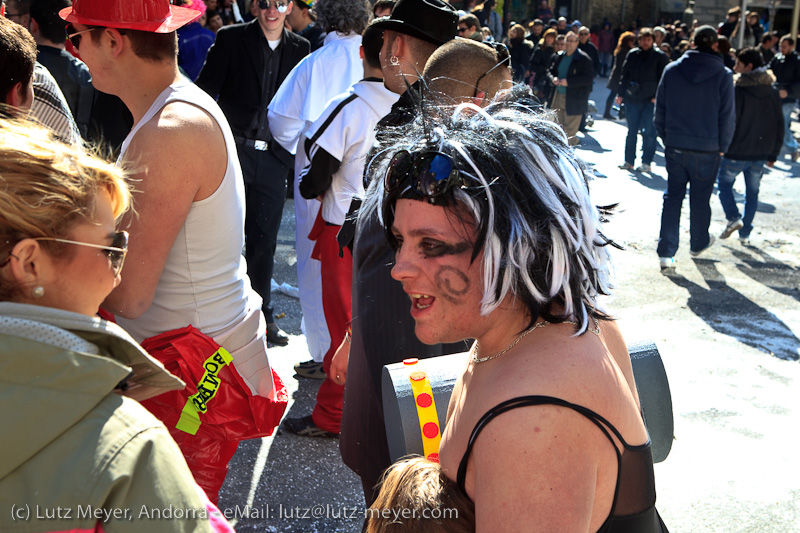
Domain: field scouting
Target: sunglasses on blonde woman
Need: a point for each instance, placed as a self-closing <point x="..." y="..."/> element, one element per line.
<point x="115" y="253"/>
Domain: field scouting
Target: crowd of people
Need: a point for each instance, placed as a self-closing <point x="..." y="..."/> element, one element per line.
<point x="440" y="208"/>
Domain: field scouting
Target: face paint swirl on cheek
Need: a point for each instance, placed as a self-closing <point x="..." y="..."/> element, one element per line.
<point x="452" y="283"/>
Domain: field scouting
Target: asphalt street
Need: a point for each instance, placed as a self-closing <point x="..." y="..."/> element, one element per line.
<point x="726" y="324"/>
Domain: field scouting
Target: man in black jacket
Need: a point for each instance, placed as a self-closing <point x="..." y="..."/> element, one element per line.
<point x="756" y="141"/>
<point x="586" y="45"/>
<point x="572" y="74"/>
<point x="640" y="75"/>
<point x="786" y="68"/>
<point x="243" y="69"/>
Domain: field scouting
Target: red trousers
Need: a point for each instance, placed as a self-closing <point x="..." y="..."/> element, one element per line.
<point x="337" y="298"/>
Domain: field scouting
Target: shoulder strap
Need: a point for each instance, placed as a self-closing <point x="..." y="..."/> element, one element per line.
<point x="330" y="118"/>
<point x="527" y="401"/>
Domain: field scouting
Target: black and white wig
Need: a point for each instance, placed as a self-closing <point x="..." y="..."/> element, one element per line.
<point x="526" y="194"/>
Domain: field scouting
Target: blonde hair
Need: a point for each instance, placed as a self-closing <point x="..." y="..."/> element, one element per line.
<point x="416" y="497"/>
<point x="46" y="187"/>
<point x="548" y="31"/>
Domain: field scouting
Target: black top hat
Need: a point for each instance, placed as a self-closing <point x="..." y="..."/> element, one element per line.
<point x="434" y="21"/>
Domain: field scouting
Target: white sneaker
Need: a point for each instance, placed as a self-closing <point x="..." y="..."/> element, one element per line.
<point x="666" y="262"/>
<point x="643" y="168"/>
<point x="732" y="226"/>
<point x="744" y="241"/>
<point x="709" y="245"/>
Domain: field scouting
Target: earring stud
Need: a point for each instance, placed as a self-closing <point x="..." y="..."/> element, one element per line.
<point x="38" y="292"/>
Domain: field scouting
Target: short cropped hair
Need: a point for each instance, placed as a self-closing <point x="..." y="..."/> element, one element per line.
<point x="46" y="187"/>
<point x="453" y="70"/>
<point x="470" y="20"/>
<point x="372" y="41"/>
<point x="17" y="56"/>
<point x="343" y="16"/>
<point x="526" y="195"/>
<point x="788" y="38"/>
<point x="750" y="56"/>
<point x="705" y="37"/>
<point x="434" y="503"/>
<point x="45" y="13"/>
<point x="147" y="44"/>
<point x="647" y="32"/>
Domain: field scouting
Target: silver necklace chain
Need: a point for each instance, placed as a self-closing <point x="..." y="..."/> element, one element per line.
<point x="543" y="323"/>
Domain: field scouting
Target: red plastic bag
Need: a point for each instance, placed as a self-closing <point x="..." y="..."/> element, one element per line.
<point x="220" y="407"/>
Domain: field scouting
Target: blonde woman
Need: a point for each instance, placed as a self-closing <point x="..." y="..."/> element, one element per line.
<point x="73" y="436"/>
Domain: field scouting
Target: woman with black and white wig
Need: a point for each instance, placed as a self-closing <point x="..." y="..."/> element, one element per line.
<point x="497" y="240"/>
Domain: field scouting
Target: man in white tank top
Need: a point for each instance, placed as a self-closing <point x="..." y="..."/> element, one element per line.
<point x="184" y="258"/>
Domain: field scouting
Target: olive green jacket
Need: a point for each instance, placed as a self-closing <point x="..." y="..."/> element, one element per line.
<point x="74" y="455"/>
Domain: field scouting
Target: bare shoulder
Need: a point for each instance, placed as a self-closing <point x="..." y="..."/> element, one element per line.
<point x="542" y="465"/>
<point x="185" y="145"/>
<point x="544" y="455"/>
<point x="582" y="370"/>
<point x="178" y="122"/>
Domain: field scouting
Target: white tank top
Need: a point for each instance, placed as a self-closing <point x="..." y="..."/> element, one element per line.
<point x="204" y="282"/>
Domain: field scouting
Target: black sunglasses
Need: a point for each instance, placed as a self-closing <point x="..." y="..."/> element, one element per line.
<point x="115" y="253"/>
<point x="430" y="173"/>
<point x="503" y="56"/>
<point x="74" y="36"/>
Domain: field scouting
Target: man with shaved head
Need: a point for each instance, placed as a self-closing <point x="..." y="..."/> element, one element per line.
<point x="467" y="71"/>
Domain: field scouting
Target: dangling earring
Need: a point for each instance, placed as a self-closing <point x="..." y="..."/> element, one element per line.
<point x="37" y="292"/>
<point x="394" y="61"/>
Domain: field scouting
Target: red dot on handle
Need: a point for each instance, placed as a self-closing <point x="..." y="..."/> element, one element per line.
<point x="433" y="457"/>
<point x="430" y="430"/>
<point x="424" y="400"/>
<point x="419" y="375"/>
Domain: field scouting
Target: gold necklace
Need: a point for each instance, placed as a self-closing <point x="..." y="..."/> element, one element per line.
<point x="543" y="323"/>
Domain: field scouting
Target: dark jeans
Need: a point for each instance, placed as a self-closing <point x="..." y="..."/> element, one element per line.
<point x="640" y="118"/>
<point x="728" y="170"/>
<point x="610" y="102"/>
<point x="686" y="167"/>
<point x="265" y="192"/>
